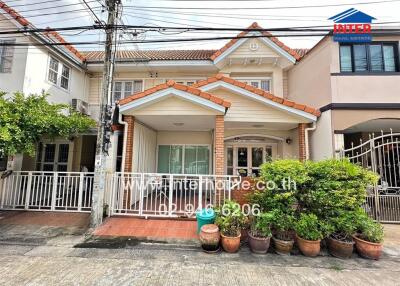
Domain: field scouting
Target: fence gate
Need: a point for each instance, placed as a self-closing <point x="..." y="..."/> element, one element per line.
<point x="382" y="155"/>
<point x="166" y="195"/>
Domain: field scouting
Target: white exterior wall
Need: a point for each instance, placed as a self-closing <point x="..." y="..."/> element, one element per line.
<point x="321" y="139"/>
<point x="36" y="74"/>
<point x="14" y="81"/>
<point x="145" y="149"/>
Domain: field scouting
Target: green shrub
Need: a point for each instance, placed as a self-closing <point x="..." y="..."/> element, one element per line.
<point x="229" y="218"/>
<point x="261" y="224"/>
<point x="309" y="227"/>
<point x="334" y="185"/>
<point x="279" y="171"/>
<point x="269" y="200"/>
<point x="367" y="228"/>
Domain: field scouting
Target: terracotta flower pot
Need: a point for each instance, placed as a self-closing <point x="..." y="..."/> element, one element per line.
<point x="340" y="249"/>
<point x="209" y="238"/>
<point x="230" y="244"/>
<point x="258" y="244"/>
<point x="283" y="247"/>
<point x="368" y="249"/>
<point x="310" y="248"/>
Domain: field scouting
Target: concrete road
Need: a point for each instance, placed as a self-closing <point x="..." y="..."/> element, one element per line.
<point x="56" y="262"/>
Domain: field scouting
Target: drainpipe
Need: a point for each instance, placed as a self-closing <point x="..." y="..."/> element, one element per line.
<point x="125" y="124"/>
<point x="306" y="130"/>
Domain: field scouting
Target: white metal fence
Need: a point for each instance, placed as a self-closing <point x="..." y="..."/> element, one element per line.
<point x="47" y="191"/>
<point x="166" y="195"/>
<point x="380" y="154"/>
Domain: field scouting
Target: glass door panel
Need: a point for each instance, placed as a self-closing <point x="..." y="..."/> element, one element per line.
<point x="257" y="158"/>
<point x="203" y="160"/>
<point x="62" y="163"/>
<point x="190" y="160"/>
<point x="176" y="160"/>
<point x="49" y="157"/>
<point x="229" y="160"/>
<point x="242" y="161"/>
<point x="163" y="158"/>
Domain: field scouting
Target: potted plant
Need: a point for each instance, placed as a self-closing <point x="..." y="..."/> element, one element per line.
<point x="369" y="238"/>
<point x="230" y="220"/>
<point x="309" y="232"/>
<point x="259" y="235"/>
<point x="282" y="232"/>
<point x="340" y="241"/>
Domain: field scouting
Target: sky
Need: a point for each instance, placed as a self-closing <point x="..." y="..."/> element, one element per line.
<point x="221" y="14"/>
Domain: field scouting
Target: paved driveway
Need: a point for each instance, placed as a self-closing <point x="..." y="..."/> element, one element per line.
<point x="53" y="260"/>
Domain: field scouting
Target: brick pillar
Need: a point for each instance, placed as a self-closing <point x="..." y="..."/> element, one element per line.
<point x="219" y="145"/>
<point x="129" y="143"/>
<point x="302" y="141"/>
<point x="128" y="158"/>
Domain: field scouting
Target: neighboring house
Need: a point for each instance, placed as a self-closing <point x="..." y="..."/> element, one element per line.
<point x="205" y="112"/>
<point x="355" y="86"/>
<point x="59" y="71"/>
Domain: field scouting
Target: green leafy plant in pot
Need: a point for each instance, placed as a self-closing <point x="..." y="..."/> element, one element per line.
<point x="340" y="241"/>
<point x="369" y="237"/>
<point x="309" y="232"/>
<point x="230" y="220"/>
<point x="282" y="232"/>
<point x="259" y="235"/>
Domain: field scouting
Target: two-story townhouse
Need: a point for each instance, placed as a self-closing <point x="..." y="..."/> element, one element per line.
<point x="355" y="86"/>
<point x="60" y="71"/>
<point x="205" y="111"/>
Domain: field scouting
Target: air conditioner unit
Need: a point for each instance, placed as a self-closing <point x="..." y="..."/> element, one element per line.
<point x="80" y="106"/>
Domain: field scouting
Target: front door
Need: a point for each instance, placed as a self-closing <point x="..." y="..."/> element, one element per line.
<point x="53" y="156"/>
<point x="245" y="160"/>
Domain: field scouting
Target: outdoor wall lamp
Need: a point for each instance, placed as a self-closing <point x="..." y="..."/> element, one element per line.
<point x="288" y="140"/>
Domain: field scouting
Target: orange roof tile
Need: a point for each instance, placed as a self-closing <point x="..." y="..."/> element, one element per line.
<point x="50" y="34"/>
<point x="292" y="52"/>
<point x="259" y="92"/>
<point x="10" y="11"/>
<point x="173" y="84"/>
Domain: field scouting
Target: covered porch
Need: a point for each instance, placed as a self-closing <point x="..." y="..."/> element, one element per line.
<point x="209" y="130"/>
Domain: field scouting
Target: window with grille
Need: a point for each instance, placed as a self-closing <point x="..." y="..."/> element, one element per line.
<point x="122" y="89"/>
<point x="6" y="56"/>
<point x="59" y="74"/>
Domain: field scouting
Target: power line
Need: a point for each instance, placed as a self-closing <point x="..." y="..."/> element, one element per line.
<point x="47" y="8"/>
<point x="264" y="8"/>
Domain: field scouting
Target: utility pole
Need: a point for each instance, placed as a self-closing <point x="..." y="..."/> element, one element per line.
<point x="103" y="134"/>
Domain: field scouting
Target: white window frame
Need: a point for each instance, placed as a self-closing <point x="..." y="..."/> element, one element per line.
<point x="124" y="81"/>
<point x="249" y="168"/>
<point x="183" y="156"/>
<point x="185" y="81"/>
<point x="60" y="68"/>
<point x="249" y="80"/>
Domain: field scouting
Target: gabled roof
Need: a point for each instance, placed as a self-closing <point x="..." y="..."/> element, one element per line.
<point x="14" y="14"/>
<point x="153" y="55"/>
<point x="51" y="35"/>
<point x="255" y="25"/>
<point x="177" y="86"/>
<point x="260" y="92"/>
<point x="352" y="16"/>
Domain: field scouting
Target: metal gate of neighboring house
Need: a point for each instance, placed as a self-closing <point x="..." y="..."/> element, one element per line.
<point x="381" y="155"/>
<point x="166" y="195"/>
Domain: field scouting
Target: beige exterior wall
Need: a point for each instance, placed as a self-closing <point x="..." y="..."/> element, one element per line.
<point x="248" y="110"/>
<point x="174" y="105"/>
<point x="310" y="80"/>
<point x="184" y="137"/>
<point x="343" y="119"/>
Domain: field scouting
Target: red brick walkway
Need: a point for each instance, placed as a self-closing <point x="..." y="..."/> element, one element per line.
<point x="57" y="219"/>
<point x="147" y="228"/>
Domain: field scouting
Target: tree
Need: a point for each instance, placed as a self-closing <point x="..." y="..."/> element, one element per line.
<point x="25" y="119"/>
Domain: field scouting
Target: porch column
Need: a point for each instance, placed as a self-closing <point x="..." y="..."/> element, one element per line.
<point x="129" y="143"/>
<point x="219" y="144"/>
<point x="302" y="141"/>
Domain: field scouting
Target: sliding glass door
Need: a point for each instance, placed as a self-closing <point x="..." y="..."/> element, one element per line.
<point x="184" y="159"/>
